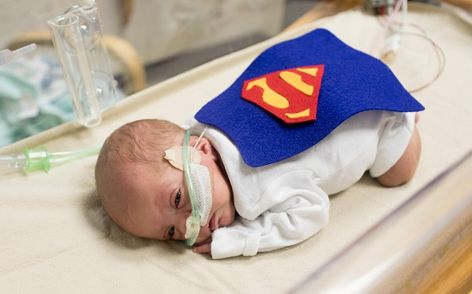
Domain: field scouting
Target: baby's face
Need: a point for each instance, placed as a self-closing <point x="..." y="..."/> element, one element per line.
<point x="157" y="206"/>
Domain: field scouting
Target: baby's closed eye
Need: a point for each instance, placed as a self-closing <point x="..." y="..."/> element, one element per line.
<point x="178" y="197"/>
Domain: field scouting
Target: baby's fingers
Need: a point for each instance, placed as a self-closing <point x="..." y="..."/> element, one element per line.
<point x="204" y="248"/>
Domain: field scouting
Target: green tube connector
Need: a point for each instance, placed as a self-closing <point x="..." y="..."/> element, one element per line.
<point x="37" y="159"/>
<point x="40" y="158"/>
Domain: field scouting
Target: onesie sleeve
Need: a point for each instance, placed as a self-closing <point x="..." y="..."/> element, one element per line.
<point x="296" y="209"/>
<point x="393" y="141"/>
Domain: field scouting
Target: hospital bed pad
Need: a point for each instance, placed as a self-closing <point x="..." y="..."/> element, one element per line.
<point x="52" y="235"/>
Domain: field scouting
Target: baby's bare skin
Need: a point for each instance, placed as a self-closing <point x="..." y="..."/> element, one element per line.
<point x="405" y="168"/>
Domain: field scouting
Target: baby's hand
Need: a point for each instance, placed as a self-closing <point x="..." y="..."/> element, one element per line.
<point x="203" y="247"/>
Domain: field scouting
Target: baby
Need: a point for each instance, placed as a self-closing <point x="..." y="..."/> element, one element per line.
<point x="305" y="120"/>
<point x="277" y="205"/>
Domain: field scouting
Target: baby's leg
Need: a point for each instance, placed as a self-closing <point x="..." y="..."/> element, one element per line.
<point x="402" y="171"/>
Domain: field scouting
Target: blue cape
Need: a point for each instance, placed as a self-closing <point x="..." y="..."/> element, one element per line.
<point x="352" y="82"/>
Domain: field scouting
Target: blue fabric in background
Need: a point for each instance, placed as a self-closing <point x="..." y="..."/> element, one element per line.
<point x="33" y="97"/>
<point x="353" y="82"/>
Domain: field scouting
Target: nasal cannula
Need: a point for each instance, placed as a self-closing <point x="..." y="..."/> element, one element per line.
<point x="40" y="158"/>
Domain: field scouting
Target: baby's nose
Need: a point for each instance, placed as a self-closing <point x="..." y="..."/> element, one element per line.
<point x="187" y="208"/>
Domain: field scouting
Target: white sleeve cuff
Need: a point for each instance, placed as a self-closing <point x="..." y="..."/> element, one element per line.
<point x="252" y="244"/>
<point x="228" y="243"/>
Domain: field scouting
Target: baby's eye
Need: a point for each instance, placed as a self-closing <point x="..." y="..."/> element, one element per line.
<point x="178" y="197"/>
<point x="171" y="232"/>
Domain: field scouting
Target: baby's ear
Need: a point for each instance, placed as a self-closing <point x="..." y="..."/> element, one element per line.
<point x="206" y="148"/>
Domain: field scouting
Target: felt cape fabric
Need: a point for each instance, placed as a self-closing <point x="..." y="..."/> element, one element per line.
<point x="352" y="82"/>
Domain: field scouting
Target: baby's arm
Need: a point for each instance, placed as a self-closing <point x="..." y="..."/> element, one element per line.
<point x="296" y="208"/>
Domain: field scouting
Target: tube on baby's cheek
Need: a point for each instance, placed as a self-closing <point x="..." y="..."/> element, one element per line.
<point x="201" y="183"/>
<point x="191" y="229"/>
<point x="197" y="179"/>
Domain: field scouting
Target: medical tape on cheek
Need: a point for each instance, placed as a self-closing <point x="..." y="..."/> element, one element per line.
<point x="199" y="185"/>
<point x="200" y="177"/>
<point x="201" y="182"/>
<point x="174" y="156"/>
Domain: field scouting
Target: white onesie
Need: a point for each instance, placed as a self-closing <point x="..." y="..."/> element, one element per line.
<point x="284" y="203"/>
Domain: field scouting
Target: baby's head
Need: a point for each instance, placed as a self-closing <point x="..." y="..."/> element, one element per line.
<point x="146" y="195"/>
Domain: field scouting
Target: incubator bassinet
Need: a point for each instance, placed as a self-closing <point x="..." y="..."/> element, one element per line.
<point x="53" y="238"/>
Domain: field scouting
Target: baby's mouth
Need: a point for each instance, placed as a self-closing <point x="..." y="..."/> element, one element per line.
<point x="213" y="224"/>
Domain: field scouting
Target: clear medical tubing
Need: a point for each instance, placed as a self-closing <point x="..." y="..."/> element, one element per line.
<point x="398" y="253"/>
<point x="77" y="37"/>
<point x="40" y="159"/>
<point x="194" y="226"/>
